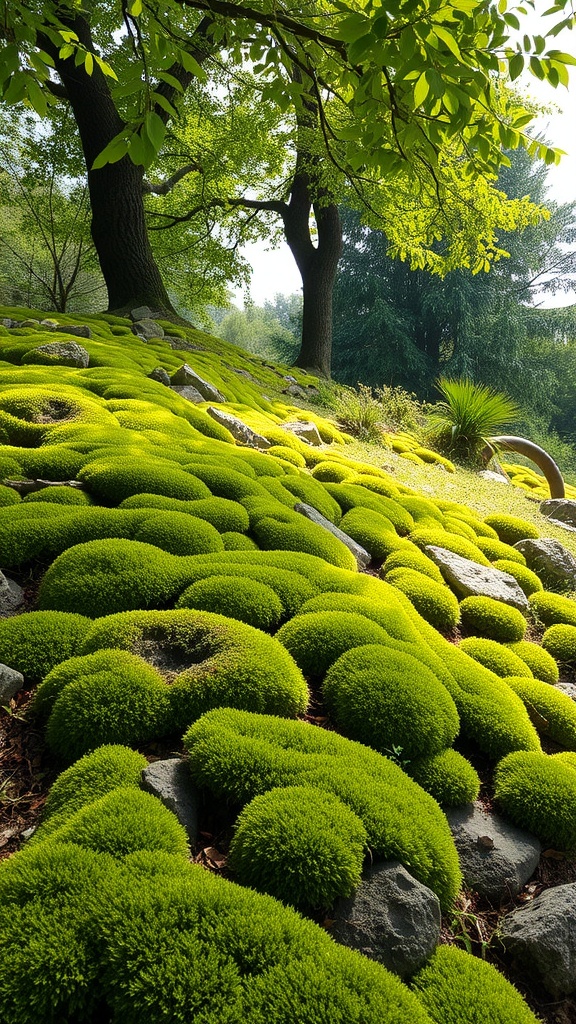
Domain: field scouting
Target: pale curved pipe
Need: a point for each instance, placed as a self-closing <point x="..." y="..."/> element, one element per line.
<point x="533" y="452"/>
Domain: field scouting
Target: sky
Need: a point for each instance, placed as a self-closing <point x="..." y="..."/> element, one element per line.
<point x="274" y="271"/>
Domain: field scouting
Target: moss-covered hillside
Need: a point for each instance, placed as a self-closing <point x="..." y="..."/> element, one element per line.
<point x="175" y="592"/>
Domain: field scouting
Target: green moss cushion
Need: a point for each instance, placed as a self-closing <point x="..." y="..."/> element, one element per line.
<point x="553" y="608"/>
<point x="538" y="793"/>
<point x="34" y="643"/>
<point x="180" y="534"/>
<point x="552" y="711"/>
<point x="112" y="480"/>
<point x="525" y="578"/>
<point x="498" y="621"/>
<point x="447" y="776"/>
<point x="458" y="988"/>
<point x="540" y="662"/>
<point x="434" y="601"/>
<point x="292" y="589"/>
<point x="495" y="656"/>
<point x="239" y="598"/>
<point x="442" y="539"/>
<point x="560" y="642"/>
<point x="59" y="496"/>
<point x="302" y="535"/>
<point x="240" y="755"/>
<point x="511" y="529"/>
<point x="495" y="550"/>
<point x="210" y="661"/>
<point x="8" y="496"/>
<point x="299" y="844"/>
<point x="311" y="491"/>
<point x="370" y="529"/>
<point x="221" y="512"/>
<point x="332" y="472"/>
<point x="412" y="559"/>
<point x="350" y="495"/>
<point x="388" y="699"/>
<point x="317" y="639"/>
<point x="233" y="541"/>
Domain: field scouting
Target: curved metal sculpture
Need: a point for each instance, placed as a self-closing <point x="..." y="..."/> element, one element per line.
<point x="533" y="452"/>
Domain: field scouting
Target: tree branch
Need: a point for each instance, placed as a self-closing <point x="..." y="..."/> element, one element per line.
<point x="166" y="186"/>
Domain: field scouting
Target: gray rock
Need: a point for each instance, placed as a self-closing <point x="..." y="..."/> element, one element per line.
<point x="239" y="430"/>
<point x="170" y="781"/>
<point x="50" y="325"/>
<point x="63" y="353"/>
<point x="10" y="682"/>
<point x="179" y="344"/>
<point x="568" y="688"/>
<point x="497" y="478"/>
<point x="77" y="330"/>
<point x="141" y="313"/>
<point x="303" y="429"/>
<point x="189" y="393"/>
<point x="467" y="578"/>
<point x="560" y="511"/>
<point x="541" y="937"/>
<point x="6" y="322"/>
<point x="11" y="596"/>
<point x="147" y="329"/>
<point x="391" y="918"/>
<point x="186" y="376"/>
<point x="295" y="391"/>
<point x="551" y="561"/>
<point x="363" y="557"/>
<point x="496" y="858"/>
<point x="161" y="375"/>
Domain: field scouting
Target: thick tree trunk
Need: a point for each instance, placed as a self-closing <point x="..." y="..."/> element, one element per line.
<point x="118" y="221"/>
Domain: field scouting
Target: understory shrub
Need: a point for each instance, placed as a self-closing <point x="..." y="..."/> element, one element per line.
<point x="301" y="845"/>
<point x="446" y="776"/>
<point x="552" y="711"/>
<point x="498" y="621"/>
<point x="34" y="643"/>
<point x="553" y="608"/>
<point x="538" y="792"/>
<point x="495" y="656"/>
<point x="511" y="529"/>
<point x="238" y="598"/>
<point x="539" y="661"/>
<point x="560" y="642"/>
<point x="386" y="699"/>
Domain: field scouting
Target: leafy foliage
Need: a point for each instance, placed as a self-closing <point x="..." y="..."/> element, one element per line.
<point x="462" y="423"/>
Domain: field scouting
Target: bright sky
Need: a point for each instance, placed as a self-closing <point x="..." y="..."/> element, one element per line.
<point x="275" y="270"/>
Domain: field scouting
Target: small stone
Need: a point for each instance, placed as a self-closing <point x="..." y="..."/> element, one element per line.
<point x="11" y="682"/>
<point x="305" y="430"/>
<point x="551" y="561"/>
<point x="170" y="781"/>
<point x="186" y="376"/>
<point x="189" y="393"/>
<point x="568" y="688"/>
<point x="50" y="325"/>
<point x="63" y="353"/>
<point x="496" y="858"/>
<point x="391" y="918"/>
<point x="363" y="557"/>
<point x="178" y="344"/>
<point x="161" y="375"/>
<point x="141" y="313"/>
<point x="467" y="578"/>
<point x="295" y="391"/>
<point x="76" y="330"/>
<point x="239" y="430"/>
<point x="541" y="938"/>
<point x="147" y="329"/>
<point x="11" y="596"/>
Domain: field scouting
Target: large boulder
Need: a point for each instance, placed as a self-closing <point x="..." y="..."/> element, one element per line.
<point x="10" y="682"/>
<point x="147" y="329"/>
<point x="62" y="353"/>
<point x="551" y="561"/>
<point x="541" y="938"/>
<point x="363" y="557"/>
<point x="11" y="596"/>
<point x="469" y="579"/>
<point x="391" y="918"/>
<point x="496" y="858"/>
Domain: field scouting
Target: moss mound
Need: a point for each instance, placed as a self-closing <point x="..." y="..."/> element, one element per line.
<point x="292" y="588"/>
<point x="539" y="661"/>
<point x="412" y="559"/>
<point x="224" y="514"/>
<point x="112" y="480"/>
<point x="450" y="541"/>
<point x="179" y="534"/>
<point x="34" y="643"/>
<point x="446" y="776"/>
<point x="552" y="711"/>
<point x="525" y="578"/>
<point x="434" y="601"/>
<point x="299" y="534"/>
<point x="553" y="608"/>
<point x="301" y="845"/>
<point x="493" y="619"/>
<point x="317" y="639"/>
<point x="538" y="793"/>
<point x="8" y="496"/>
<point x="58" y="496"/>
<point x="560" y="642"/>
<point x="494" y="656"/>
<point x="370" y="529"/>
<point x="511" y="529"/>
<point x="244" y="599"/>
<point x="388" y="699"/>
<point x="495" y="550"/>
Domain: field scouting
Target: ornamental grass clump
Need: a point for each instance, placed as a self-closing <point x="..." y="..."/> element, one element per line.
<point x="538" y="792"/>
<point x="386" y="699"/>
<point x="239" y="598"/>
<point x="435" y="602"/>
<point x="34" y="643"/>
<point x="560" y="641"/>
<point x="299" y="844"/>
<point x="553" y="608"/>
<point x="460" y="426"/>
<point x="498" y="621"/>
<point x="552" y="711"/>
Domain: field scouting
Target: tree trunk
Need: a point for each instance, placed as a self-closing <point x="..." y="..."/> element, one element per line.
<point x="118" y="220"/>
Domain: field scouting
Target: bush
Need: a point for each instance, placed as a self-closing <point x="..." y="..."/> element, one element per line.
<point x="552" y="711"/>
<point x="540" y="663"/>
<point x="511" y="529"/>
<point x="446" y="776"/>
<point x="538" y="792"/>
<point x="34" y="643"/>
<point x="301" y="845"/>
<point x="238" y="598"/>
<point x="386" y="699"/>
<point x="525" y="578"/>
<point x="302" y="535"/>
<point x="495" y="657"/>
<point x="240" y="755"/>
<point x="317" y="639"/>
<point x="458" y="988"/>
<point x="126" y="703"/>
<point x="496" y="550"/>
<point x="122" y="822"/>
<point x="494" y="619"/>
<point x="442" y="539"/>
<point x="211" y="661"/>
<point x="179" y="534"/>
<point x="560" y="642"/>
<point x="435" y="602"/>
<point x="553" y="608"/>
<point x="112" y="480"/>
<point x="412" y="559"/>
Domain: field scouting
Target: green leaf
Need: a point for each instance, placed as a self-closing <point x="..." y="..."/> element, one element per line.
<point x="161" y="101"/>
<point x="516" y="66"/>
<point x="135" y="8"/>
<point x="155" y="129"/>
<point x="112" y="153"/>
<point x="191" y="65"/>
<point x="89" y="64"/>
<point x="36" y="97"/>
<point x="421" y="90"/>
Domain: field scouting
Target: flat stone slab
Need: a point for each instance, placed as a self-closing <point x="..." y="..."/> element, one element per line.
<point x="11" y="596"/>
<point x="187" y="377"/>
<point x="391" y="918"/>
<point x="77" y="330"/>
<point x="541" y="938"/>
<point x="63" y="353"/>
<point x="170" y="781"/>
<point x="363" y="557"/>
<point x="550" y="560"/>
<point x="496" y="858"/>
<point x="10" y="682"/>
<point x="467" y="578"/>
<point x="304" y="429"/>
<point x="239" y="430"/>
